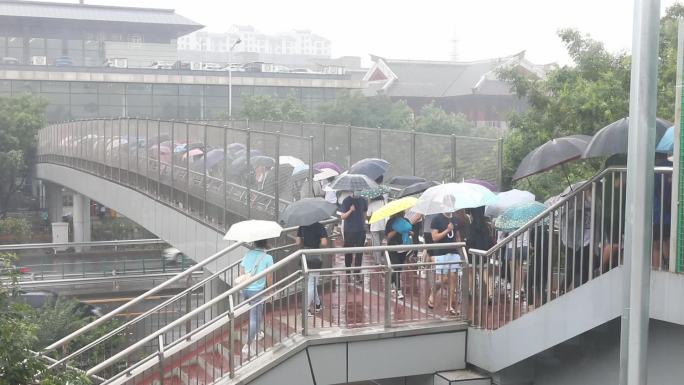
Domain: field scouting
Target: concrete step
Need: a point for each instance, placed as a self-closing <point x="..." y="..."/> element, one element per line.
<point x="461" y="377"/>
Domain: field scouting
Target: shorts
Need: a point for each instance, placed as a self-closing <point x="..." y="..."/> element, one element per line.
<point x="451" y="261"/>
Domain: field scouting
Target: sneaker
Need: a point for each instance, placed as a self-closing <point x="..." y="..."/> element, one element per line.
<point x="318" y="308"/>
<point x="309" y="313"/>
<point x="245" y="349"/>
<point x="260" y="335"/>
<point x="400" y="295"/>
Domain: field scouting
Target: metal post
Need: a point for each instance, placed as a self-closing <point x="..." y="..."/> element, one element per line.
<point x="311" y="160"/>
<point x="325" y="144"/>
<point x="158" y="158"/>
<point x="225" y="176"/>
<point x="204" y="202"/>
<point x="379" y="134"/>
<point x="187" y="167"/>
<point x="305" y="296"/>
<point x="639" y="211"/>
<point x="388" y="291"/>
<point x="160" y="354"/>
<point x="248" y="149"/>
<point x="453" y="158"/>
<point x="276" y="192"/>
<point x="677" y="239"/>
<point x="173" y="144"/>
<point x="499" y="164"/>
<point x="413" y="152"/>
<point x="349" y="147"/>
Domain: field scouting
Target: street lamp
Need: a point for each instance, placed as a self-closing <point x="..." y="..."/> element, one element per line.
<point x="230" y="78"/>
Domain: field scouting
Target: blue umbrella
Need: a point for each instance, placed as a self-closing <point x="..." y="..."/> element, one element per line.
<point x="666" y="143"/>
<point x="370" y="167"/>
<point x="519" y="215"/>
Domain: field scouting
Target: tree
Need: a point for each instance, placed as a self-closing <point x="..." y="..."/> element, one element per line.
<point x="18" y="336"/>
<point x="269" y="108"/>
<point x="581" y="99"/>
<point x="20" y="119"/>
<point x="357" y="110"/>
<point x="15" y="230"/>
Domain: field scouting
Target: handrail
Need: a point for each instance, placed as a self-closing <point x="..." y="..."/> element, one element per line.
<point x="141" y="297"/>
<point x="551" y="209"/>
<point x="236" y="289"/>
<point x="128" y="242"/>
<point x="159" y="306"/>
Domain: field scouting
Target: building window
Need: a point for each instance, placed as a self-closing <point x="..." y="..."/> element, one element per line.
<point x="135" y="39"/>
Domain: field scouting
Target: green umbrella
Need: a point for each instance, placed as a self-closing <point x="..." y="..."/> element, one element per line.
<point x="519" y="215"/>
<point x="373" y="193"/>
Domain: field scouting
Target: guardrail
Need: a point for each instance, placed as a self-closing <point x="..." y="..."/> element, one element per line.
<point x="129" y="242"/>
<point x="373" y="303"/>
<point x="576" y="239"/>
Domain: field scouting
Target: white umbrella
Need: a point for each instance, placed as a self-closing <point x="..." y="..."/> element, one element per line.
<point x="253" y="230"/>
<point x="508" y="199"/>
<point x="325" y="174"/>
<point x="292" y="161"/>
<point x="451" y="197"/>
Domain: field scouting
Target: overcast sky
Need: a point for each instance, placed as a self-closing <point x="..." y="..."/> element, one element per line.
<point x="422" y="29"/>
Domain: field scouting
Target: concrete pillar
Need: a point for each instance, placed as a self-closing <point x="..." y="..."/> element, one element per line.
<point x="81" y="218"/>
<point x="54" y="201"/>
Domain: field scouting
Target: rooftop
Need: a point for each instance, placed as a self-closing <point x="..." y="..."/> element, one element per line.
<point x="424" y="78"/>
<point x="99" y="13"/>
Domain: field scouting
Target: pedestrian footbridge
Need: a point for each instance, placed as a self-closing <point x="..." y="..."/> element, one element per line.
<point x="555" y="279"/>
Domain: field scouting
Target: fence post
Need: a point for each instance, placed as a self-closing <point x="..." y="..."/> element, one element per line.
<point x="388" y="291"/>
<point x="249" y="172"/>
<point x="187" y="167"/>
<point x="499" y="164"/>
<point x="379" y="133"/>
<point x="160" y="353"/>
<point x="276" y="191"/>
<point x="453" y="158"/>
<point x="225" y="176"/>
<point x="413" y="152"/>
<point x="204" y="182"/>
<point x="311" y="160"/>
<point x="325" y="142"/>
<point x="173" y="163"/>
<point x="305" y="296"/>
<point x="349" y="146"/>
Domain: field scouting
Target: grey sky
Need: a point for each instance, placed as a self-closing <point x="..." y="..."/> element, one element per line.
<point x="423" y="29"/>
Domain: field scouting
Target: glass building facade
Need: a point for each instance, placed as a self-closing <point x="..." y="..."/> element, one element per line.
<point x="68" y="100"/>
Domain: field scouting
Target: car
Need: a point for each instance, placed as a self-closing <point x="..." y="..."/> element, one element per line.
<point x="163" y="65"/>
<point x="64" y="61"/>
<point x="9" y="60"/>
<point x="212" y="67"/>
<point x="302" y="71"/>
<point x="14" y="269"/>
<point x="172" y="255"/>
<point x="38" y="299"/>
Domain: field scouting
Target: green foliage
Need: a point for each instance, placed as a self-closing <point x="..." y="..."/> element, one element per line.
<point x="358" y="110"/>
<point x="16" y="230"/>
<point x="118" y="228"/>
<point x="433" y="119"/>
<point x="19" y="332"/>
<point x="581" y="99"/>
<point x="20" y="119"/>
<point x="268" y="108"/>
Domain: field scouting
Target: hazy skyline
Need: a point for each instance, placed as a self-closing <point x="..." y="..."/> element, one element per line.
<point x="425" y="29"/>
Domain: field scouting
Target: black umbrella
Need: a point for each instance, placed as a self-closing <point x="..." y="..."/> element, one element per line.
<point x="612" y="139"/>
<point x="370" y="167"/>
<point x="352" y="182"/>
<point x="415" y="188"/>
<point x="551" y="154"/>
<point x="308" y="211"/>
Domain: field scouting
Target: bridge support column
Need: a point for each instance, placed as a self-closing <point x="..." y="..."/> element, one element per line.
<point x="81" y="217"/>
<point x="54" y="201"/>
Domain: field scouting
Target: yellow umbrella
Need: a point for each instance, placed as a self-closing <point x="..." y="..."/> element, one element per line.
<point x="393" y="207"/>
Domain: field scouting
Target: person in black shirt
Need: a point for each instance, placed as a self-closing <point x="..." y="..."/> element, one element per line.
<point x="398" y="232"/>
<point x="445" y="229"/>
<point x="354" y="210"/>
<point x="313" y="236"/>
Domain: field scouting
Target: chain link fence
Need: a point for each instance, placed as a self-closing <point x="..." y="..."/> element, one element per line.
<point x="442" y="158"/>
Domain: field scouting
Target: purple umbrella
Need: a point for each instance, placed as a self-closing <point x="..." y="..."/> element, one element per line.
<point x="321" y="165"/>
<point x="484" y="183"/>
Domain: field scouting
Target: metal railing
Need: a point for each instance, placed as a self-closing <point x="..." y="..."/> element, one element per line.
<point x="166" y="159"/>
<point x="164" y="313"/>
<point x="350" y="298"/>
<point x="576" y="239"/>
<point x="435" y="157"/>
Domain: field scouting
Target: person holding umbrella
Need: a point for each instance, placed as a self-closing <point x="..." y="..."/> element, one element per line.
<point x="445" y="229"/>
<point x="354" y="210"/>
<point x="254" y="262"/>
<point x="398" y="232"/>
<point x="311" y="234"/>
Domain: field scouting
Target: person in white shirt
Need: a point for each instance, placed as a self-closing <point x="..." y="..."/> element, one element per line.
<point x="377" y="229"/>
